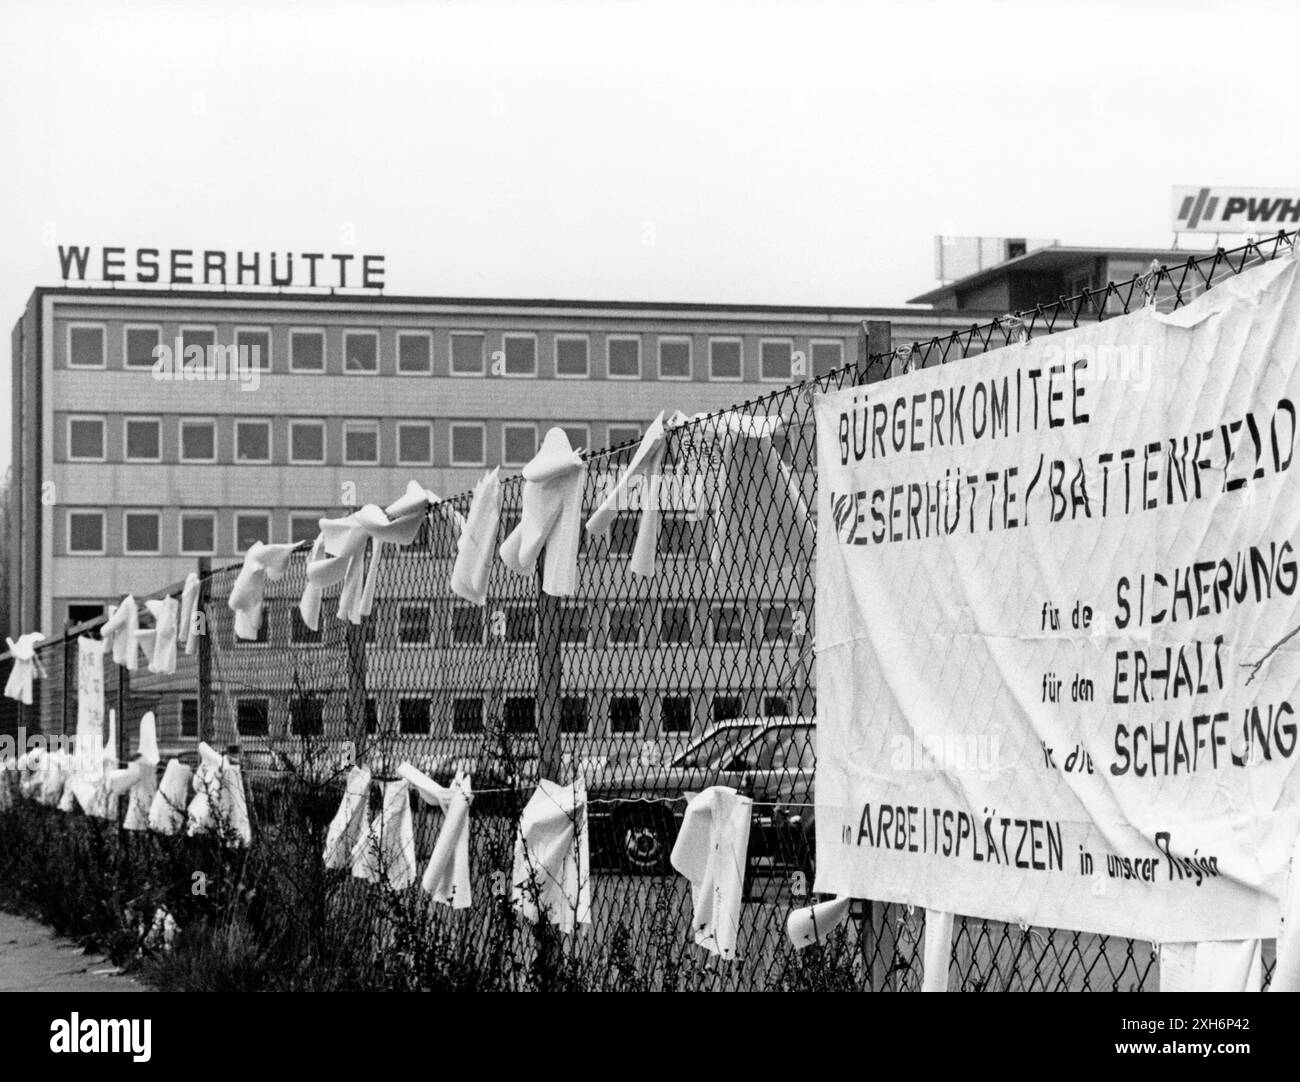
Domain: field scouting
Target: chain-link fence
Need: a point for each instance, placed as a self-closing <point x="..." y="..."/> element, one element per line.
<point x="649" y="688"/>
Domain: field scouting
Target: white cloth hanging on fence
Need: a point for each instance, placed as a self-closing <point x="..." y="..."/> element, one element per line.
<point x="28" y="766"/>
<point x="418" y="500"/>
<point x="338" y="556"/>
<point x="8" y="782"/>
<point x="167" y="812"/>
<point x="645" y="468"/>
<point x="711" y="851"/>
<point x="262" y="562"/>
<point x="447" y="877"/>
<point x="26" y="665"/>
<point x="1212" y="966"/>
<point x="346" y="826"/>
<point x="187" y="633"/>
<point x="139" y="780"/>
<point x="814" y="923"/>
<point x="550" y="516"/>
<point x="385" y="852"/>
<point x="120" y="631"/>
<point x="165" y="612"/>
<point x="56" y="766"/>
<point x="937" y="953"/>
<point x="219" y="802"/>
<point x="552" y="866"/>
<point x="478" y="541"/>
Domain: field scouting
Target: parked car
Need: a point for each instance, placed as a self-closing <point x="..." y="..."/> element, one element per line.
<point x="634" y="810"/>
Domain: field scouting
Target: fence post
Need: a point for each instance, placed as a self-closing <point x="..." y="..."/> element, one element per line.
<point x="875" y="337"/>
<point x="550" y="663"/>
<point x="70" y="674"/>
<point x="204" y="650"/>
<point x="356" y="646"/>
<point x="123" y="690"/>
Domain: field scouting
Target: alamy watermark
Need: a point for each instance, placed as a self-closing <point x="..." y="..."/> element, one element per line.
<point x="230" y="364"/>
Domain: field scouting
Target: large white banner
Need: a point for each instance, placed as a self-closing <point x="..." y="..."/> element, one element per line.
<point x="1056" y="595"/>
<point x="90" y="690"/>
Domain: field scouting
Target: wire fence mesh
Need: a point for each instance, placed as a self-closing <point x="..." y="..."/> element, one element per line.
<point x="648" y="688"/>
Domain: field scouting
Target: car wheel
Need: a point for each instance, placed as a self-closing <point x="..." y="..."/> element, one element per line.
<point x="645" y="835"/>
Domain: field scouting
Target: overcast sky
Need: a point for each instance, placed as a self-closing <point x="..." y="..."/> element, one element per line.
<point x="778" y="153"/>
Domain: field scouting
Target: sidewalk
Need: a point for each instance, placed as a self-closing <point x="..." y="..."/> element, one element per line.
<point x="34" y="959"/>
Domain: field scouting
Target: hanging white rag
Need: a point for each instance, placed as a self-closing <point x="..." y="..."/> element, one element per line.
<point x="938" y="951"/>
<point x="346" y="826"/>
<point x="644" y="468"/>
<point x="386" y="851"/>
<point x="550" y="516"/>
<point x="88" y="770"/>
<point x="261" y="563"/>
<point x="552" y="868"/>
<point x="478" y="541"/>
<point x="53" y="777"/>
<point x="447" y="876"/>
<point x="167" y="812"/>
<point x="1286" y="971"/>
<point x="139" y="780"/>
<point x="219" y="802"/>
<point x="338" y="555"/>
<point x="418" y="500"/>
<point x="187" y="626"/>
<point x="711" y="851"/>
<point x="814" y="923"/>
<point x="165" y="612"/>
<point x="1212" y="966"/>
<point x="31" y="768"/>
<point x="120" y="631"/>
<point x="26" y="665"/>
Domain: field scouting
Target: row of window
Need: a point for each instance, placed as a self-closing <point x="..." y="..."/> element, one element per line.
<point x="467" y="353"/>
<point x="623" y="624"/>
<point x="467" y="441"/>
<point x="416" y="715"/>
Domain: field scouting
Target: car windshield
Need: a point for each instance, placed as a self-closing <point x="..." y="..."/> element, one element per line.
<point x="782" y="747"/>
<point x="713" y="748"/>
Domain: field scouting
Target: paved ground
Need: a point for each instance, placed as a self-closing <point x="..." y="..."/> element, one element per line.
<point x="34" y="959"/>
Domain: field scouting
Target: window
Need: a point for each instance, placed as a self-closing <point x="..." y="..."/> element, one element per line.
<point x="776" y="706"/>
<point x="138" y="344"/>
<point x="573" y="714"/>
<point x="467" y="444"/>
<point x="252" y="441"/>
<point x="413" y="716"/>
<point x="303" y="527"/>
<point x="143" y="439"/>
<point x="307" y="351"/>
<point x="621" y="434"/>
<point x="826" y="357"/>
<point x="140" y="533"/>
<point x="467" y="715"/>
<point x="521" y="623"/>
<point x="727" y="707"/>
<point x="414" y="624"/>
<point x="198" y="533"/>
<point x="622" y="533"/>
<point x="415" y="443"/>
<point x="360" y="442"/>
<point x="624" y="357"/>
<point x="728" y="623"/>
<point x="571" y="356"/>
<point x="675" y="714"/>
<point x="466" y="354"/>
<point x="724" y="358"/>
<point x="518" y="444"/>
<point x="579" y="436"/>
<point x="361" y="351"/>
<point x="198" y="440"/>
<point x="777" y="624"/>
<point x="680" y="534"/>
<point x="414" y="352"/>
<point x="254" y="345"/>
<point x="307" y="715"/>
<point x="520" y="714"/>
<point x="625" y="714"/>
<point x="774" y="359"/>
<point x="467" y="624"/>
<point x="86" y="346"/>
<point x="299" y="632"/>
<point x="575" y="624"/>
<point x="675" y="624"/>
<point x="84" y="612"/>
<point x="252" y="717"/>
<point x="520" y="354"/>
<point x="251" y="526"/>
<point x="189" y="717"/>
<point x="307" y="441"/>
<point x="674" y="358"/>
<point x="624" y="624"/>
<point x="86" y="439"/>
<point x="203" y="337"/>
<point x="86" y="532"/>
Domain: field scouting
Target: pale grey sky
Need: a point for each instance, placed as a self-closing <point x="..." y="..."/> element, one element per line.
<point x="761" y="152"/>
